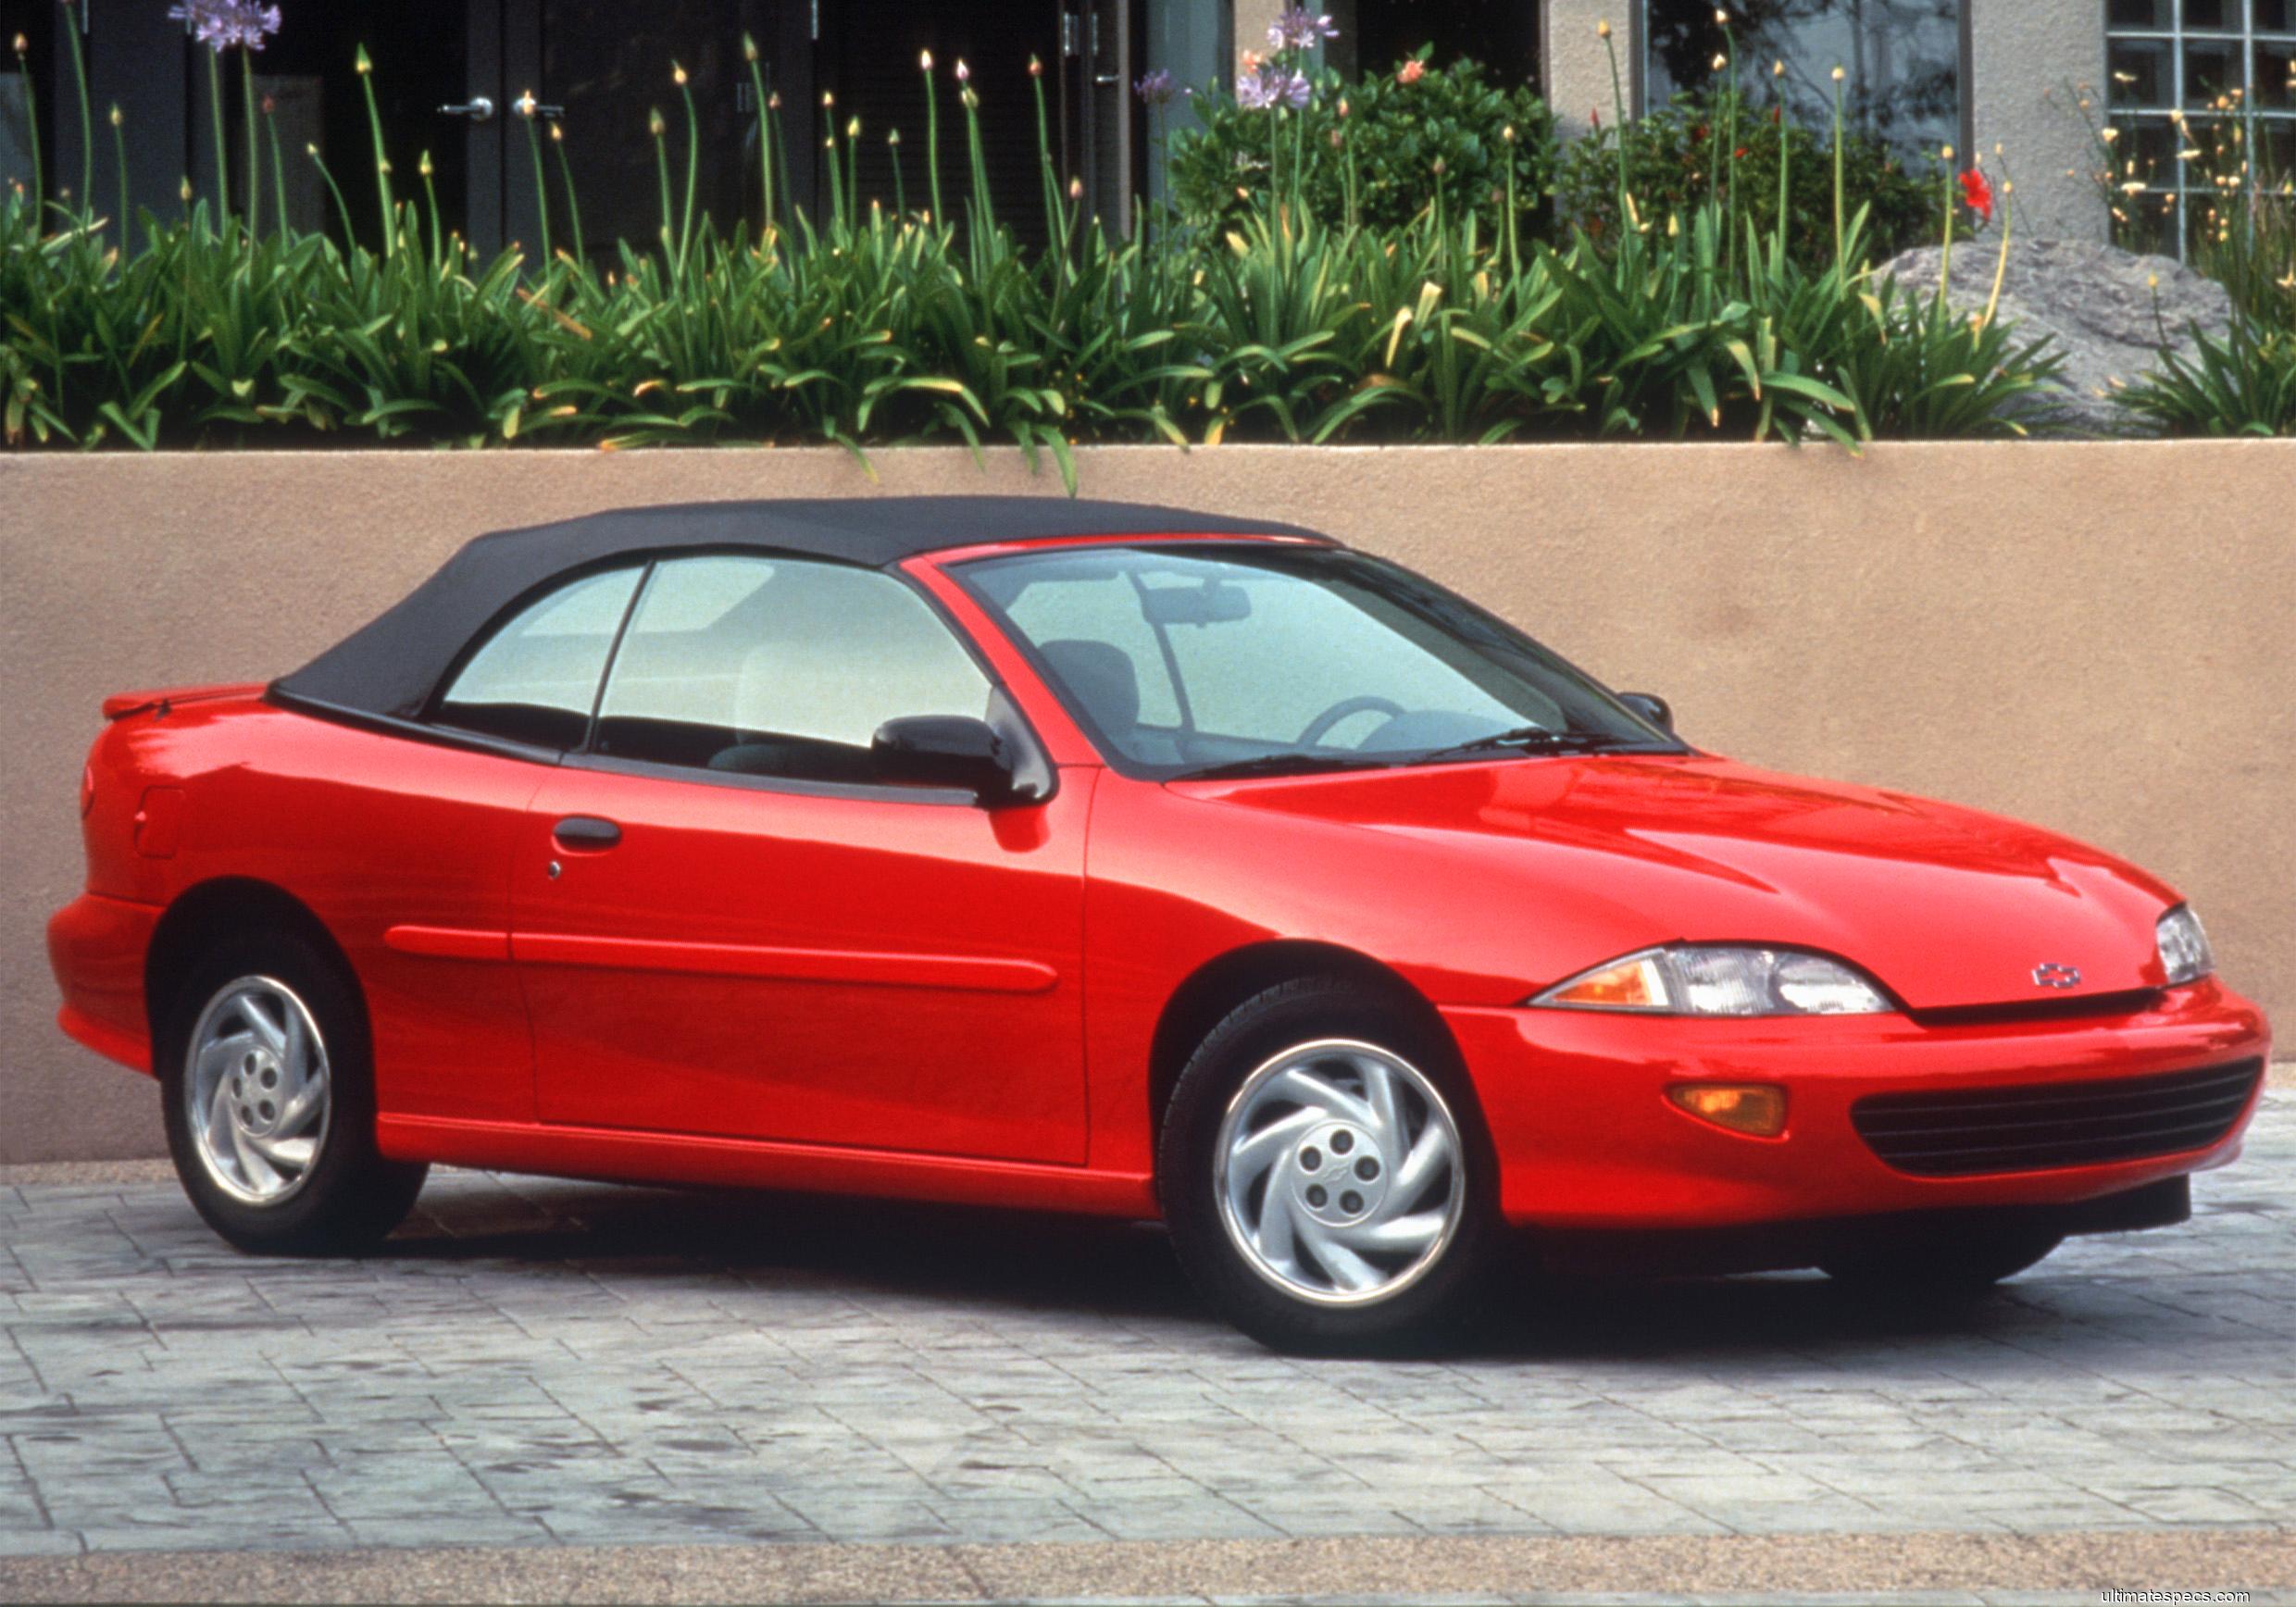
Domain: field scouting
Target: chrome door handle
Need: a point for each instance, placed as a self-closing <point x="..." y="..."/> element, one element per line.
<point x="478" y="108"/>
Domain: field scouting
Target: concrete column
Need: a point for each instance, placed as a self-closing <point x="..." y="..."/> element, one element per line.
<point x="2031" y="61"/>
<point x="1579" y="61"/>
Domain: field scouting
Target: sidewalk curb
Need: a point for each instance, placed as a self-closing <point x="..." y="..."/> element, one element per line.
<point x="1867" y="1567"/>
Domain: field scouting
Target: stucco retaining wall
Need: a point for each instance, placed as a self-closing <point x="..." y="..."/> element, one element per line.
<point x="2098" y="637"/>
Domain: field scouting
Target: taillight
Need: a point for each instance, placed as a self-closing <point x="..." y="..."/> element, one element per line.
<point x="87" y="789"/>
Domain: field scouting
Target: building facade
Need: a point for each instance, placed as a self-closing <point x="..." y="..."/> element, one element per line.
<point x="2025" y="84"/>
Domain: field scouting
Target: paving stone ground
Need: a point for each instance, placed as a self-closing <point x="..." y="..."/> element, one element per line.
<point x="535" y="1363"/>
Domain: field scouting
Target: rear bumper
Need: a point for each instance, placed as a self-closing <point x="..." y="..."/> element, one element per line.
<point x="1587" y="1138"/>
<point x="96" y="946"/>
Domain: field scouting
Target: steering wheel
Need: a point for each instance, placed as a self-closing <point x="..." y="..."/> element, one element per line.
<point x="1322" y="723"/>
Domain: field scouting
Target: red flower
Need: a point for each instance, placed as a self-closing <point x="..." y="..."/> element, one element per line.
<point x="1597" y="115"/>
<point x="1698" y="134"/>
<point x="1979" y="195"/>
<point x="1743" y="153"/>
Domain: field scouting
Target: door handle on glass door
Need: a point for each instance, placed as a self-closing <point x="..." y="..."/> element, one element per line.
<point x="478" y="108"/>
<point x="586" y="831"/>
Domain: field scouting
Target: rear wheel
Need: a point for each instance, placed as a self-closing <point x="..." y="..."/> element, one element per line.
<point x="1963" y="1262"/>
<point x="268" y="1095"/>
<point x="1323" y="1175"/>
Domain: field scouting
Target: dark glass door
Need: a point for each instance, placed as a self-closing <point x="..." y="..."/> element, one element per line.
<point x="424" y="54"/>
<point x="1102" y="42"/>
<point x="869" y="54"/>
<point x="601" y="71"/>
<point x="449" y="76"/>
<point x="419" y="50"/>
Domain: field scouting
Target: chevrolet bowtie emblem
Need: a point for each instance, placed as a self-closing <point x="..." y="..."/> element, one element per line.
<point x="2052" y="975"/>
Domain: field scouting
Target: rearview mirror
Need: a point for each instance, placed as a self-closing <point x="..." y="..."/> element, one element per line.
<point x="946" y="751"/>
<point x="1654" y="709"/>
<point x="1214" y="603"/>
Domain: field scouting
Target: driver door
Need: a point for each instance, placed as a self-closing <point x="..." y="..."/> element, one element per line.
<point x="725" y="928"/>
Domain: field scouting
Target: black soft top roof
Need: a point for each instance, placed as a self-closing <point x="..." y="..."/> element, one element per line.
<point x="390" y="666"/>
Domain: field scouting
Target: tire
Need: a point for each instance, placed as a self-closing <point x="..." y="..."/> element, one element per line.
<point x="1284" y="1265"/>
<point x="1963" y="1263"/>
<point x="280" y="1155"/>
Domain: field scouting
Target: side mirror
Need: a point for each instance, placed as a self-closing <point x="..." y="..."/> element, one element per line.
<point x="946" y="751"/>
<point x="1654" y="709"/>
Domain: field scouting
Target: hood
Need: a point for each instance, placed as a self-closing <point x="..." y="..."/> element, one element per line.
<point x="1947" y="907"/>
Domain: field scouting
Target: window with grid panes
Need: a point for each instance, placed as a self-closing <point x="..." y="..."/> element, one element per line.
<point x="2203" y="95"/>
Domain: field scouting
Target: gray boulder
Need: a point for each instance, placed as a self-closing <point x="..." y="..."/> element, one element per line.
<point x="2099" y="302"/>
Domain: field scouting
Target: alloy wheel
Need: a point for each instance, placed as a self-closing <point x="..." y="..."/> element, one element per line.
<point x="1340" y="1173"/>
<point x="256" y="1096"/>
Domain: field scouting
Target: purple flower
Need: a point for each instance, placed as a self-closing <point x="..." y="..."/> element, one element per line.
<point x="1299" y="29"/>
<point x="1266" y="85"/>
<point x="1158" y="89"/>
<point x="223" y="25"/>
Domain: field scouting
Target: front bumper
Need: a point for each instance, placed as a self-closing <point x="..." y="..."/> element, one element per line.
<point x="1586" y="1138"/>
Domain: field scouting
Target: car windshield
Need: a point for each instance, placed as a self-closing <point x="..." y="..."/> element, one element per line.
<point x="1204" y="659"/>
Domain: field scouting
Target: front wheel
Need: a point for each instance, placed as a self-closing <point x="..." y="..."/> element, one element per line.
<point x="1323" y="1174"/>
<point x="269" y="1096"/>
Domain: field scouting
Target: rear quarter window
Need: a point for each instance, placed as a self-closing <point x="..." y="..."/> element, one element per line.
<point x="536" y="679"/>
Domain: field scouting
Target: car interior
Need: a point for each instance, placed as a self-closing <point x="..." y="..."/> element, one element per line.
<point x="733" y="664"/>
<point x="1177" y="661"/>
<point x="741" y="664"/>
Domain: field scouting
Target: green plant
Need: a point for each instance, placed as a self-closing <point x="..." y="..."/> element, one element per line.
<point x="2139" y="194"/>
<point x="873" y="325"/>
<point x="2241" y="384"/>
<point x="1375" y="153"/>
<point x="2243" y="231"/>
<point x="1729" y="148"/>
<point x="2238" y="217"/>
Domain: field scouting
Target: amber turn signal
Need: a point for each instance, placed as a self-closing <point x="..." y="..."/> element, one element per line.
<point x="1742" y="1107"/>
<point x="1634" y="983"/>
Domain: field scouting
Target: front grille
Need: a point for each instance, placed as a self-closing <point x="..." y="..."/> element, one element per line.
<point x="2061" y="1123"/>
<point x="2134" y="1001"/>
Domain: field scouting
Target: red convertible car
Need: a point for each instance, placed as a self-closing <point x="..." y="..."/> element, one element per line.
<point x="1103" y="858"/>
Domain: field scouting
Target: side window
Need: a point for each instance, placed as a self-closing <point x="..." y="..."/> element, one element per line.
<point x="536" y="679"/>
<point x="777" y="666"/>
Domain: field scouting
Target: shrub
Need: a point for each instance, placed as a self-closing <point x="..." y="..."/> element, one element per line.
<point x="882" y="325"/>
<point x="1677" y="157"/>
<point x="1382" y="160"/>
<point x="2239" y="226"/>
<point x="2241" y="384"/>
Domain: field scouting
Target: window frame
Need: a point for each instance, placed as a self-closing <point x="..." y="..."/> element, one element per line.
<point x="1005" y="712"/>
<point x="2176" y="116"/>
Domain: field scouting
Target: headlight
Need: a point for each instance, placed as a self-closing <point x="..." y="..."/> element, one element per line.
<point x="1714" y="980"/>
<point x="2185" y="954"/>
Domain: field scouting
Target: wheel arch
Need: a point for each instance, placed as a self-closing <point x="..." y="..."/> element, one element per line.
<point x="223" y="904"/>
<point x="1219" y="985"/>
